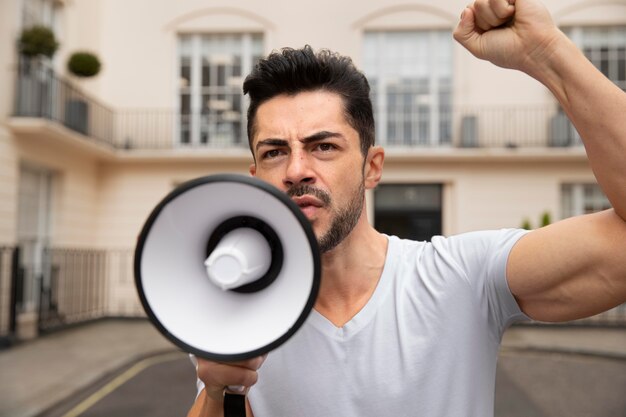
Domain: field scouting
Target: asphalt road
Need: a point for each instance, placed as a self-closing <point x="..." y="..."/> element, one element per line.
<point x="528" y="385"/>
<point x="161" y="386"/>
<point x="559" y="385"/>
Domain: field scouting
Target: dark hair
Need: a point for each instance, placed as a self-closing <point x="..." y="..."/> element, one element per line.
<point x="292" y="71"/>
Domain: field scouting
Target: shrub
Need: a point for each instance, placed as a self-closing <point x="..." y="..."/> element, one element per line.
<point x="83" y="64"/>
<point x="38" y="40"/>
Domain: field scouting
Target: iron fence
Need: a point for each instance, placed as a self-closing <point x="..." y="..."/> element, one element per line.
<point x="86" y="284"/>
<point x="81" y="285"/>
<point x="8" y="293"/>
<point x="75" y="290"/>
<point x="70" y="286"/>
<point x="43" y="94"/>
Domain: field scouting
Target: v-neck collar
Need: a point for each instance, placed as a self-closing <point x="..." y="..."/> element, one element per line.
<point x="365" y="315"/>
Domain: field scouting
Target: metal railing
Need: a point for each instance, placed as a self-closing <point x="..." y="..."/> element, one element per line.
<point x="72" y="286"/>
<point x="8" y="292"/>
<point x="41" y="93"/>
<point x="86" y="284"/>
<point x="75" y="290"/>
<point x="81" y="285"/>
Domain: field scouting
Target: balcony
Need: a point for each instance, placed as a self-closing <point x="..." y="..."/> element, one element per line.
<point x="41" y="94"/>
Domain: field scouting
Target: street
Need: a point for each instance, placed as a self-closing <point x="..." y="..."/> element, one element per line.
<point x="529" y="384"/>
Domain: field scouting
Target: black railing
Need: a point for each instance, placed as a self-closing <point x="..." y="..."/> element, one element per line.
<point x="41" y="93"/>
<point x="81" y="285"/>
<point x="65" y="287"/>
<point x="75" y="288"/>
<point x="8" y="293"/>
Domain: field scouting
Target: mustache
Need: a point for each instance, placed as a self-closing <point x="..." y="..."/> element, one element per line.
<point x="299" y="190"/>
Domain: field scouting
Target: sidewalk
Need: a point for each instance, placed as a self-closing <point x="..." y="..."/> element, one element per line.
<point x="38" y="374"/>
<point x="596" y="341"/>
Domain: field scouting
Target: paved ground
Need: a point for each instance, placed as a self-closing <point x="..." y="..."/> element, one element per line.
<point x="159" y="386"/>
<point x="539" y="384"/>
<point x="36" y="375"/>
<point x="125" y="368"/>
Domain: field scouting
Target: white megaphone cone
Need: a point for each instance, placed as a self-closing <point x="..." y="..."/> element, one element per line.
<point x="227" y="267"/>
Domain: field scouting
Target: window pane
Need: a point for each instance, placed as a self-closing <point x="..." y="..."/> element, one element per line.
<point x="206" y="72"/>
<point x="410" y="73"/>
<point x="577" y="199"/>
<point x="213" y="96"/>
<point x="604" y="47"/>
<point x="185" y="104"/>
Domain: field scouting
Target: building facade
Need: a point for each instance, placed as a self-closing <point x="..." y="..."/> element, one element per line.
<point x="83" y="161"/>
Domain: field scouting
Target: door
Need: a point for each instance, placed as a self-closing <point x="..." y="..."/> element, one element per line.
<point x="33" y="233"/>
<point x="410" y="211"/>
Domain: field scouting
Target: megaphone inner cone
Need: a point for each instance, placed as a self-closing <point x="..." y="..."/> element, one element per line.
<point x="241" y="257"/>
<point x="244" y="254"/>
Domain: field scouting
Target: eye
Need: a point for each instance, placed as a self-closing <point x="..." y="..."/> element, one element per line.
<point x="272" y="153"/>
<point x="325" y="147"/>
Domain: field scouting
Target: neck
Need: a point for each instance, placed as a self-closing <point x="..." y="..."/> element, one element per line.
<point x="350" y="273"/>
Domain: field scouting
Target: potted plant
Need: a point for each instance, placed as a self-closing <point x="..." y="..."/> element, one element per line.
<point x="36" y="41"/>
<point x="82" y="64"/>
<point x="36" y="45"/>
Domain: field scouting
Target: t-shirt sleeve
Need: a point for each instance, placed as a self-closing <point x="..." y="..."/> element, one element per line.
<point x="483" y="256"/>
<point x="199" y="383"/>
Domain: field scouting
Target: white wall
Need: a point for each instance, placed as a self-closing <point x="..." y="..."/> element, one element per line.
<point x="142" y="72"/>
<point x="75" y="189"/>
<point x="9" y="32"/>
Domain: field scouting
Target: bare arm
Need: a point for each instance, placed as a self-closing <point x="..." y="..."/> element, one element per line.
<point x="577" y="267"/>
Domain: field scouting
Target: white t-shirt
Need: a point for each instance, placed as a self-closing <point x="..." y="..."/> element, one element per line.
<point x="425" y="344"/>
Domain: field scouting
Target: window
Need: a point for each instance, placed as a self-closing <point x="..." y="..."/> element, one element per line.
<point x="211" y="103"/>
<point x="410" y="74"/>
<point x="577" y="199"/>
<point x="40" y="12"/>
<point x="605" y="47"/>
<point x="34" y="202"/>
<point x="410" y="211"/>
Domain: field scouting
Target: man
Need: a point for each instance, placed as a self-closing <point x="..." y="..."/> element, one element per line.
<point x="413" y="328"/>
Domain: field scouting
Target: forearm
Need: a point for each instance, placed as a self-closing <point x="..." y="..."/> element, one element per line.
<point x="204" y="406"/>
<point x="596" y="107"/>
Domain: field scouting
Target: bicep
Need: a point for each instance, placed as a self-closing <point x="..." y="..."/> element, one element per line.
<point x="571" y="269"/>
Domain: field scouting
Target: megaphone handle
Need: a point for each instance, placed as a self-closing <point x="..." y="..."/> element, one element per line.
<point x="234" y="405"/>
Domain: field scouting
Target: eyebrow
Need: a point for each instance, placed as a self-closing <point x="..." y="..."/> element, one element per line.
<point x="324" y="134"/>
<point x="271" y="142"/>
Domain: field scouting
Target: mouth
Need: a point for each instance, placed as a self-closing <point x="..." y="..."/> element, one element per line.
<point x="308" y="204"/>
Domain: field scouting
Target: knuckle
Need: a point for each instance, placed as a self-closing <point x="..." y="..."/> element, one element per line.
<point x="257" y="362"/>
<point x="251" y="378"/>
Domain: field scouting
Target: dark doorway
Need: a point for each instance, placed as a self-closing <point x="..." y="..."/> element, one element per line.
<point x="411" y="211"/>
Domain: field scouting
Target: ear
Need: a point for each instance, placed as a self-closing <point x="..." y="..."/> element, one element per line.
<point x="252" y="169"/>
<point x="373" y="170"/>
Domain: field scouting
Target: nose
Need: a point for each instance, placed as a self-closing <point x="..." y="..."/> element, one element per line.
<point x="299" y="170"/>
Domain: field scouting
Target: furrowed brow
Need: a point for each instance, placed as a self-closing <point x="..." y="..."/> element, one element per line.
<point x="321" y="136"/>
<point x="271" y="142"/>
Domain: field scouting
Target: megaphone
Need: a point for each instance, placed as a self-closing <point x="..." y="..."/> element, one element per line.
<point x="227" y="267"/>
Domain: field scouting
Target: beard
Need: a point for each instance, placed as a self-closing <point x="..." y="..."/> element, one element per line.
<point x="343" y="220"/>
